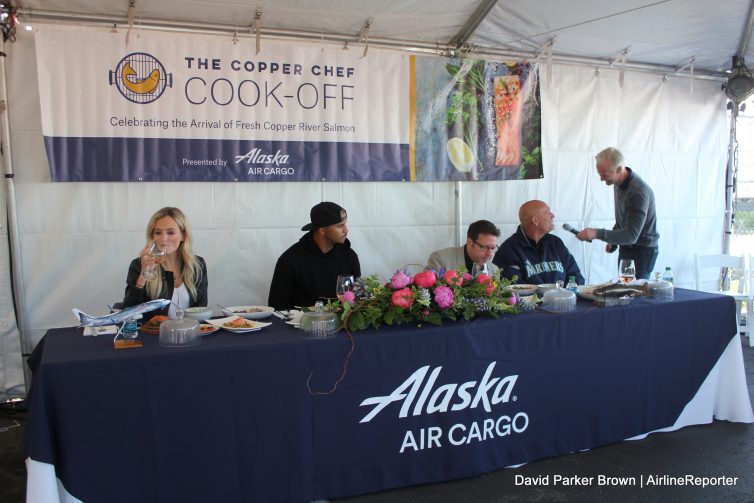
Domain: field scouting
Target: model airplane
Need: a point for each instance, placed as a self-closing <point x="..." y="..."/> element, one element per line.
<point x="129" y="313"/>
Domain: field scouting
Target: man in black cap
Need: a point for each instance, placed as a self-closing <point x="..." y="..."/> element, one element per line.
<point x="309" y="270"/>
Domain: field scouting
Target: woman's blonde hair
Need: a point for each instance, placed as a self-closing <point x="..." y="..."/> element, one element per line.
<point x="187" y="262"/>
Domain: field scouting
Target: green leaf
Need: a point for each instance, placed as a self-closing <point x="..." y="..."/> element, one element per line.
<point x="389" y="317"/>
<point x="356" y="322"/>
<point x="434" y="318"/>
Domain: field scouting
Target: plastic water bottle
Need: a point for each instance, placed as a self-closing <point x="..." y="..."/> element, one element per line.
<point x="572" y="286"/>
<point x="667" y="275"/>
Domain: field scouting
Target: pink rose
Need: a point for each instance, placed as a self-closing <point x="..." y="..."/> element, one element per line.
<point x="347" y="297"/>
<point x="443" y="297"/>
<point x="425" y="279"/>
<point x="489" y="289"/>
<point x="399" y="280"/>
<point x="483" y="279"/>
<point x="451" y="278"/>
<point x="466" y="278"/>
<point x="402" y="298"/>
<point x="512" y="300"/>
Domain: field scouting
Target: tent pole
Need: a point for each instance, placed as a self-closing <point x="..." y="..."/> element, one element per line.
<point x="730" y="179"/>
<point x="19" y="297"/>
<point x="460" y="238"/>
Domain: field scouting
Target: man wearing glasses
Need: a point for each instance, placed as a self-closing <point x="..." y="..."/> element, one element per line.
<point x="481" y="244"/>
<point x="534" y="255"/>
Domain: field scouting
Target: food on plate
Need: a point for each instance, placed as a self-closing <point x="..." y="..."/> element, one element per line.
<point x="238" y="323"/>
<point x="206" y="328"/>
<point x="153" y="325"/>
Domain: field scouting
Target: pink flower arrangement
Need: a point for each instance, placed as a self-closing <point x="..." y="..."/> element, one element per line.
<point x="425" y="279"/>
<point x="426" y="297"/>
<point x="402" y="298"/>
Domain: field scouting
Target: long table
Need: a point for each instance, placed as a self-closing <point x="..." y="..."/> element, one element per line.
<point x="251" y="417"/>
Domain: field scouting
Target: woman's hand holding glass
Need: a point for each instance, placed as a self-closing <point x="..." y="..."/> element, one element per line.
<point x="154" y="255"/>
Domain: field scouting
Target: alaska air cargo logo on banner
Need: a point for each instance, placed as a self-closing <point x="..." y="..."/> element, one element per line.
<point x="140" y="78"/>
<point x="417" y="395"/>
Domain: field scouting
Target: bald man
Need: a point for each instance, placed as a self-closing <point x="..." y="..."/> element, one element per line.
<point x="533" y="254"/>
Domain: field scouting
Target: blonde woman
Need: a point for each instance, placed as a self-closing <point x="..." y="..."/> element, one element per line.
<point x="180" y="275"/>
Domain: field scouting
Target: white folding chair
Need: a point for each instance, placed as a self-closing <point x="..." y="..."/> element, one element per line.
<point x="735" y="282"/>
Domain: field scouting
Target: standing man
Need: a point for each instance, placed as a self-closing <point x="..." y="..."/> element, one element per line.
<point x="308" y="271"/>
<point x="534" y="255"/>
<point x="481" y="243"/>
<point x="635" y="229"/>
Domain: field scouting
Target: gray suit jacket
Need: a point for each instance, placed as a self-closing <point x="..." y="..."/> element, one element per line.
<point x="452" y="258"/>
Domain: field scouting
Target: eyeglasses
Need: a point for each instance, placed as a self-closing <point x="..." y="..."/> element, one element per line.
<point x="492" y="249"/>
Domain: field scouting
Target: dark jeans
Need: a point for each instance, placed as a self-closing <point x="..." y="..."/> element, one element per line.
<point x="644" y="259"/>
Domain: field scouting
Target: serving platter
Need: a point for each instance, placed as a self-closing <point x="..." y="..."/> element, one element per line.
<point x="242" y="325"/>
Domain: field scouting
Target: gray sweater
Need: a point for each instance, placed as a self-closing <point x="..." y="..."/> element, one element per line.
<point x="635" y="218"/>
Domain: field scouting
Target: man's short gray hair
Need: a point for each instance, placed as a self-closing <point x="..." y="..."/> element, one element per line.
<point x="611" y="154"/>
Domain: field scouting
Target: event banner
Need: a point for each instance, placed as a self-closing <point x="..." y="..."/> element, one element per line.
<point x="180" y="107"/>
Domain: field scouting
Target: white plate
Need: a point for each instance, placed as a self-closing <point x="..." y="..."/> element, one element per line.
<point x="255" y="325"/>
<point x="198" y="313"/>
<point x="543" y="287"/>
<point x="258" y="312"/>
<point x="523" y="289"/>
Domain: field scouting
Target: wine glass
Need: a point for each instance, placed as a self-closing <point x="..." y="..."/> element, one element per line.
<point x="157" y="251"/>
<point x="345" y="284"/>
<point x="478" y="269"/>
<point x="627" y="270"/>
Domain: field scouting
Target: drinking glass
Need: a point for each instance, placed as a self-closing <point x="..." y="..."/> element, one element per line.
<point x="345" y="284"/>
<point x="478" y="269"/>
<point x="158" y="252"/>
<point x="627" y="270"/>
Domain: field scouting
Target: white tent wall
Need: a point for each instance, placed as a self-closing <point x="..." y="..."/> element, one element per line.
<point x="78" y="238"/>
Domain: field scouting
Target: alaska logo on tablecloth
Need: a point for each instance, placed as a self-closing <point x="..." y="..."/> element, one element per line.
<point x="426" y="399"/>
<point x="140" y="78"/>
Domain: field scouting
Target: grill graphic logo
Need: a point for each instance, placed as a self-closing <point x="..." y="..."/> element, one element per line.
<point x="140" y="78"/>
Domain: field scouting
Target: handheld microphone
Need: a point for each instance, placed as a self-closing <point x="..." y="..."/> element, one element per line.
<point x="572" y="230"/>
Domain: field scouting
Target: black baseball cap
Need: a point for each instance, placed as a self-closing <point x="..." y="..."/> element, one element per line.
<point x="324" y="214"/>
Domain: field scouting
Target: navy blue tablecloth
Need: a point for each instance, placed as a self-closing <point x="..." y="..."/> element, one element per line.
<point x="235" y="419"/>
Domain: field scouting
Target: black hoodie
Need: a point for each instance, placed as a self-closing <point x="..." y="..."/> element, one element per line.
<point x="303" y="274"/>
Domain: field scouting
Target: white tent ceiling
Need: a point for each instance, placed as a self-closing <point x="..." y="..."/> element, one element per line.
<point x="666" y="34"/>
